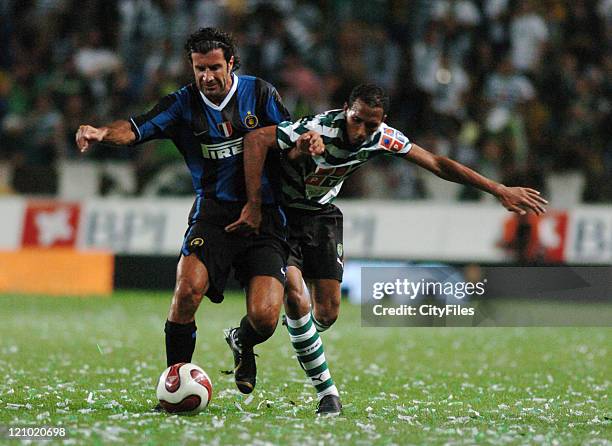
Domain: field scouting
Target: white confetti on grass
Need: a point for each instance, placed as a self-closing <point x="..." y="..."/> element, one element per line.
<point x="266" y="402"/>
<point x="217" y="423"/>
<point x="43" y="416"/>
<point x="410" y="419"/>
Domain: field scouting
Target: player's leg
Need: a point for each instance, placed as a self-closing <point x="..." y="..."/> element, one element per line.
<point x="297" y="298"/>
<point x="321" y="262"/>
<point x="325" y="265"/>
<point x="191" y="284"/>
<point x="325" y="296"/>
<point x="307" y="343"/>
<point x="264" y="301"/>
<point x="261" y="267"/>
<point x="203" y="269"/>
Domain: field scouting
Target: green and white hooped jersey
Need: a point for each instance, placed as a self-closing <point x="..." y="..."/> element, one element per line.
<point x="312" y="182"/>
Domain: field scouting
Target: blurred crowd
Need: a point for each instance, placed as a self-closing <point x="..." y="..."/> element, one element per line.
<point x="517" y="89"/>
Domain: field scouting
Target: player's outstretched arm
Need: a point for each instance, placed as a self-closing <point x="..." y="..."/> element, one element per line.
<point x="118" y="132"/>
<point x="515" y="199"/>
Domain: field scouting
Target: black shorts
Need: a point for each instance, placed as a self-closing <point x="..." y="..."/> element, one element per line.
<point x="315" y="242"/>
<point x="264" y="254"/>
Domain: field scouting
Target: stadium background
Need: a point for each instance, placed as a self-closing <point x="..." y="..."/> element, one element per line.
<point x="518" y="90"/>
<point x="66" y="62"/>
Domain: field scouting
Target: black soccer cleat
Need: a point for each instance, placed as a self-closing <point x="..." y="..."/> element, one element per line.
<point x="245" y="368"/>
<point x="329" y="405"/>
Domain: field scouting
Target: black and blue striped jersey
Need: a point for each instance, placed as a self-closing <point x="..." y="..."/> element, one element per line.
<point x="209" y="136"/>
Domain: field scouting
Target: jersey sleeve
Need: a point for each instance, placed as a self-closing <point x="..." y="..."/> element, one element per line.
<point x="270" y="104"/>
<point x="288" y="132"/>
<point x="158" y="122"/>
<point x="393" y="142"/>
<point x="275" y="108"/>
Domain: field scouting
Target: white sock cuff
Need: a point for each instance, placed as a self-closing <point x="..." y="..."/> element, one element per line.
<point x="331" y="390"/>
<point x="319" y="325"/>
<point x="297" y="323"/>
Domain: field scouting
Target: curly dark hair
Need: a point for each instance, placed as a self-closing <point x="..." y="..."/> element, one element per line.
<point x="371" y="95"/>
<point x="207" y="39"/>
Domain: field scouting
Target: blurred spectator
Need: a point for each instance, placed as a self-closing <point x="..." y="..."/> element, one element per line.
<point x="459" y="19"/>
<point x="528" y="34"/>
<point x="303" y="90"/>
<point x="426" y="54"/>
<point x="505" y="91"/>
<point x="383" y="53"/>
<point x="452" y="83"/>
<point x="583" y="31"/>
<point x="497" y="14"/>
<point x="92" y="60"/>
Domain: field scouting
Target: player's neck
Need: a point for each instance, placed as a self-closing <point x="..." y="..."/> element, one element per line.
<point x="217" y="100"/>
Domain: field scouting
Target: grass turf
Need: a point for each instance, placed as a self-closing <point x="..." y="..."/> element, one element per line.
<point x="91" y="365"/>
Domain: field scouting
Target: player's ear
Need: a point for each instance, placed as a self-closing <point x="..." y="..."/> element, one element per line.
<point x="384" y="118"/>
<point x="345" y="107"/>
<point x="230" y="64"/>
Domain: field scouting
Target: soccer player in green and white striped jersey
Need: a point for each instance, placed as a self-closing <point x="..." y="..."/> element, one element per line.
<point x="319" y="153"/>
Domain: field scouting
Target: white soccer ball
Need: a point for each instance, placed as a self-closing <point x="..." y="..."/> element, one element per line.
<point x="185" y="388"/>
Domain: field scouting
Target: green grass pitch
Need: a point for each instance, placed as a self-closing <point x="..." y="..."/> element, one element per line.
<point x="91" y="365"/>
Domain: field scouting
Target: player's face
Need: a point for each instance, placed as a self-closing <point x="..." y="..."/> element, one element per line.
<point x="362" y="121"/>
<point x="213" y="74"/>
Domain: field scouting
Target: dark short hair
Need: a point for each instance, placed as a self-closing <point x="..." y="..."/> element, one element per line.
<point x="208" y="39"/>
<point x="371" y="95"/>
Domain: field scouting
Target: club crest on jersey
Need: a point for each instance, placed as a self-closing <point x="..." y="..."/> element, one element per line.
<point x="250" y="120"/>
<point x="196" y="242"/>
<point x="226" y="128"/>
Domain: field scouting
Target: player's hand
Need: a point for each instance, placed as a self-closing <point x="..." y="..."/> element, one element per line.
<point x="310" y="143"/>
<point x="86" y="134"/>
<point x="249" y="221"/>
<point x="521" y="199"/>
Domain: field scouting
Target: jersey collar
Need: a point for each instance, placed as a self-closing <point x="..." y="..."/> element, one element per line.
<point x="222" y="105"/>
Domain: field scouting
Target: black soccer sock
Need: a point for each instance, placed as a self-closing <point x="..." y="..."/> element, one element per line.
<point x="248" y="336"/>
<point x="180" y="342"/>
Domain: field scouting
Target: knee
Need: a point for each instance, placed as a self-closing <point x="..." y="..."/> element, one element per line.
<point x="296" y="299"/>
<point x="327" y="314"/>
<point x="264" y="322"/>
<point x="327" y="317"/>
<point x="294" y="293"/>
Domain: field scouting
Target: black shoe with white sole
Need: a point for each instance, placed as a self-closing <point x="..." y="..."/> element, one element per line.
<point x="245" y="368"/>
<point x="329" y="405"/>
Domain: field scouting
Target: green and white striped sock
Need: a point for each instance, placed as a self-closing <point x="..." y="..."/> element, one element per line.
<point x="309" y="349"/>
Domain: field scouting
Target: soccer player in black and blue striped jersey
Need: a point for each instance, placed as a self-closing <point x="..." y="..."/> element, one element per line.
<point x="207" y="121"/>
